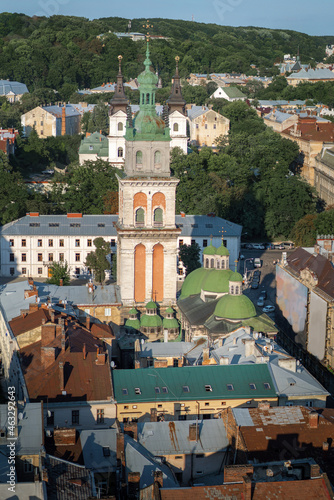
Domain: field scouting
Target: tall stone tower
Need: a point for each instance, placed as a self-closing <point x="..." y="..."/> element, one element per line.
<point x="117" y="121"/>
<point x="147" y="234"/>
<point x="177" y="113"/>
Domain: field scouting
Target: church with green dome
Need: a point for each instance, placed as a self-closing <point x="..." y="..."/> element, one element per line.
<point x="212" y="303"/>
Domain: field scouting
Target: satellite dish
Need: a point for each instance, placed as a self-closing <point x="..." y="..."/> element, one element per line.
<point x="49" y="413"/>
<point x="20" y="416"/>
<point x="112" y="364"/>
<point x="48" y="433"/>
<point x="142" y="341"/>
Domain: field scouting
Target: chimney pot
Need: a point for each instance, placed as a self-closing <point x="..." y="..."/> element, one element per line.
<point x="61" y="376"/>
<point x="313" y="420"/>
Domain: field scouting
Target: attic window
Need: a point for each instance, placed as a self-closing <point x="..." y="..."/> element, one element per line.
<point x="106" y="451"/>
<point x="291" y="381"/>
<point x="185" y="388"/>
<point x="180" y="225"/>
<point x="165" y="390"/>
<point x="157" y="390"/>
<point x="34" y="224"/>
<point x="53" y="224"/>
<point x="208" y="225"/>
<point x="230" y="387"/>
<point x="101" y="225"/>
<point x="91" y="148"/>
<point x="252" y="387"/>
<point x="266" y="385"/>
<point x="208" y="388"/>
<point x="194" y="225"/>
<point x="125" y="392"/>
<point x="137" y="390"/>
<point x="75" y="224"/>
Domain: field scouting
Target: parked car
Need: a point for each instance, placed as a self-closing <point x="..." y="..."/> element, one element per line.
<point x="257" y="262"/>
<point x="263" y="294"/>
<point x="270" y="246"/>
<point x="254" y="284"/>
<point x="258" y="246"/>
<point x="279" y="247"/>
<point x="260" y="302"/>
<point x="257" y="272"/>
<point x="268" y="309"/>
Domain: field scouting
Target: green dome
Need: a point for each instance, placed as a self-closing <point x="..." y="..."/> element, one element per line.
<point x="170" y="323"/>
<point x="151" y="321"/>
<point x="151" y="305"/>
<point x="169" y="310"/>
<point x="210" y="250"/>
<point x="235" y="277"/>
<point x="133" y="311"/>
<point x="133" y="323"/>
<point x="222" y="250"/>
<point x="216" y="281"/>
<point x="192" y="283"/>
<point x="235" y="307"/>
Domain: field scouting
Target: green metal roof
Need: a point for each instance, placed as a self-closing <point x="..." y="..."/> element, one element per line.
<point x="195" y="378"/>
<point x="235" y="307"/>
<point x="216" y="280"/>
<point x="149" y="320"/>
<point x="169" y="310"/>
<point x="233" y="92"/>
<point x="235" y="277"/>
<point x="133" y="311"/>
<point x="192" y="283"/>
<point x="95" y="144"/>
<point x="151" y="305"/>
<point x="170" y="323"/>
<point x="133" y="323"/>
<point x="222" y="250"/>
<point x="210" y="250"/>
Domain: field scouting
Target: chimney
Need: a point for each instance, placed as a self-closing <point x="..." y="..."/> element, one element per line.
<point x="101" y="358"/>
<point x="194" y="432"/>
<point x="325" y="446"/>
<point x="223" y="360"/>
<point x="48" y="333"/>
<point x="61" y="376"/>
<point x="154" y="415"/>
<point x="288" y="363"/>
<point x="158" y="478"/>
<point x="61" y="282"/>
<point x="52" y="315"/>
<point x="137" y="364"/>
<point x="131" y="429"/>
<point x="182" y="214"/>
<point x="206" y="356"/>
<point x="313" y="420"/>
<point x="64" y="436"/>
<point x="84" y="351"/>
<point x="88" y="322"/>
<point x="247" y="487"/>
<point x="314" y="471"/>
<point x="63" y="120"/>
<point x="30" y="281"/>
<point x="48" y="356"/>
<point x="63" y="340"/>
<point x="133" y="485"/>
<point x="249" y="347"/>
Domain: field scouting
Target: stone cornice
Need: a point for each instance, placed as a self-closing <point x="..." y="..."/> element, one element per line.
<point x="142" y="182"/>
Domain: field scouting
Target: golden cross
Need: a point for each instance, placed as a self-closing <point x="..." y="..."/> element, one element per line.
<point x="147" y="26"/>
<point x="222" y="231"/>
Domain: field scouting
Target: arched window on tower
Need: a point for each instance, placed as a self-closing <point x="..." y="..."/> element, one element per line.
<point x="175" y="127"/>
<point x="237" y="290"/>
<point x="157" y="157"/>
<point x="120" y="152"/>
<point x="232" y="290"/>
<point x="143" y="99"/>
<point x="206" y="263"/>
<point x="120" y="126"/>
<point x="223" y="264"/>
<point x="139" y="158"/>
<point x="147" y="98"/>
<point x="158" y="217"/>
<point x="218" y="264"/>
<point x="212" y="263"/>
<point x="140" y="217"/>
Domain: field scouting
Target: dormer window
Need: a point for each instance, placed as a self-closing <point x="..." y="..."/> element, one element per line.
<point x="139" y="158"/>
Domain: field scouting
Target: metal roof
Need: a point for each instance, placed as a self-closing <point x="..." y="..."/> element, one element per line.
<point x="17" y="88"/>
<point x="196" y="111"/>
<point x="206" y="225"/>
<point x="93" y="443"/>
<point x="169" y="438"/>
<point x="195" y="378"/>
<point x="57" y="110"/>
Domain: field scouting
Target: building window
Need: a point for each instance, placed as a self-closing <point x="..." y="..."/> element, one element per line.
<point x="40" y="257"/>
<point x="125" y="391"/>
<point x="24" y="257"/>
<point x="158" y="217"/>
<point x="139" y="158"/>
<point x="208" y="388"/>
<point x="77" y="243"/>
<point x="50" y="257"/>
<point x="75" y="417"/>
<point x="165" y="390"/>
<point x="50" y="419"/>
<point x="252" y="386"/>
<point x="214" y="125"/>
<point x="193" y="242"/>
<point x="230" y="387"/>
<point x="28" y="466"/>
<point x="112" y="243"/>
<point x="212" y="263"/>
<point x="185" y="388"/>
<point x="120" y="126"/>
<point x="180" y="243"/>
<point x="157" y="390"/>
<point x="24" y="270"/>
<point x="50" y="243"/>
<point x="11" y="257"/>
<point x="175" y="363"/>
<point x="77" y="271"/>
<point x="206" y="126"/>
<point x="11" y="271"/>
<point x="11" y="243"/>
<point x="40" y="270"/>
<point x="77" y="257"/>
<point x="89" y="243"/>
<point x="100" y="416"/>
<point x="196" y="125"/>
<point x="120" y="152"/>
<point x="61" y="243"/>
<point x="140" y="217"/>
<point x="23" y="243"/>
<point x="61" y="257"/>
<point x="90" y="147"/>
<point x="137" y="390"/>
<point x="107" y="311"/>
<point x="39" y="243"/>
<point x="176" y="127"/>
<point x="205" y="243"/>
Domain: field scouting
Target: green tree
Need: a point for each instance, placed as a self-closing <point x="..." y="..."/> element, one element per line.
<point x="97" y="260"/>
<point x="190" y="256"/>
<point x="324" y="223"/>
<point x="13" y="194"/>
<point x="60" y="273"/>
<point x="304" y="232"/>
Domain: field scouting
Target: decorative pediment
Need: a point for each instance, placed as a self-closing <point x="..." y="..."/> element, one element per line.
<point x="309" y="277"/>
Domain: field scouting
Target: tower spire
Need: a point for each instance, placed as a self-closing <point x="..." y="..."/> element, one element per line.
<point x="175" y="100"/>
<point x="119" y="100"/>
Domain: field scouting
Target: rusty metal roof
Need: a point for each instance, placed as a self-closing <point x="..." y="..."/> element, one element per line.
<point x="22" y="324"/>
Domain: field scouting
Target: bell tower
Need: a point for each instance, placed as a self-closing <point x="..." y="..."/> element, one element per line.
<point x="147" y="234"/>
<point x="177" y="113"/>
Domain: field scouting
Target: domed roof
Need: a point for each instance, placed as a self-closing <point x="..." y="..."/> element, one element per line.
<point x="235" y="277"/>
<point x="222" y="250"/>
<point x="169" y="310"/>
<point x="192" y="283"/>
<point x="151" y="321"/>
<point x="133" y="311"/>
<point x="151" y="305"/>
<point x="235" y="307"/>
<point x="216" y="281"/>
<point x="210" y="250"/>
<point x="133" y="323"/>
<point x="170" y="323"/>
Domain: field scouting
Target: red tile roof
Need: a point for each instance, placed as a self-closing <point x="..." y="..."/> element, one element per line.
<point x="84" y="379"/>
<point x="101" y="330"/>
<point x="308" y="129"/>
<point x="22" y="324"/>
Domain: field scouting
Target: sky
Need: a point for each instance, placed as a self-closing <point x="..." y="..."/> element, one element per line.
<point x="306" y="16"/>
